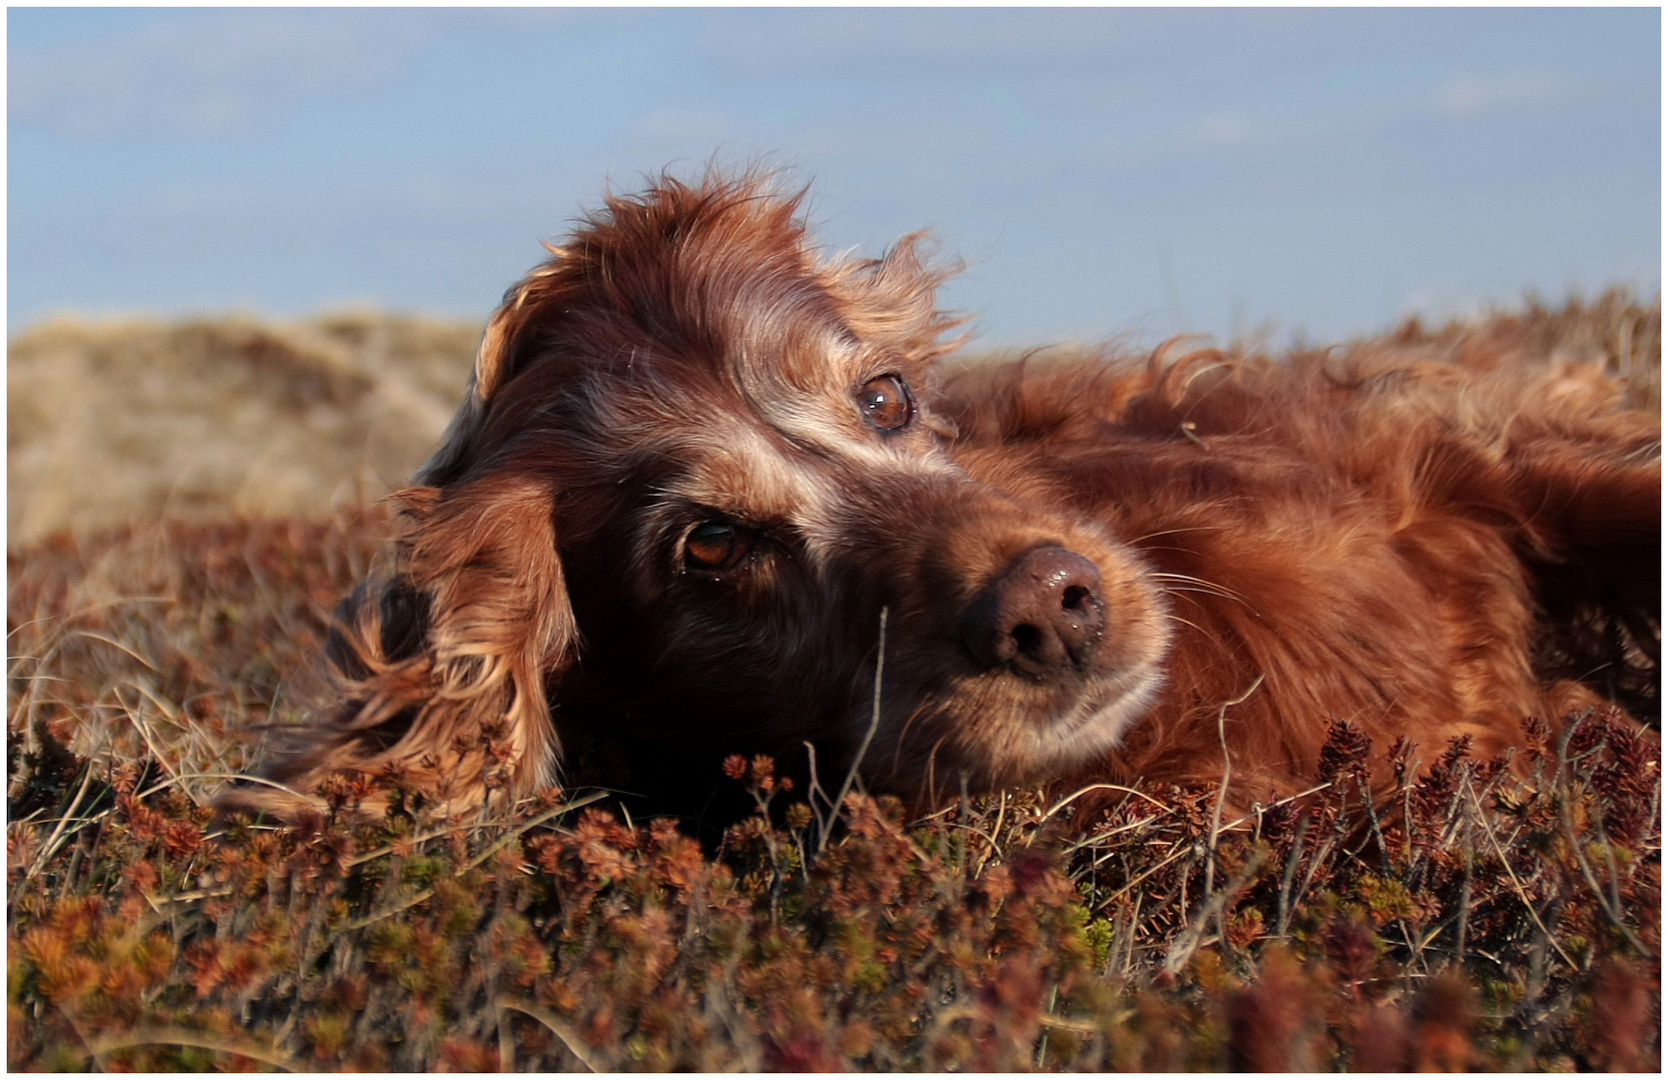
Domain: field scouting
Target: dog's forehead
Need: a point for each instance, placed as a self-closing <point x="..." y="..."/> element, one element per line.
<point x="798" y="345"/>
<point x="804" y="382"/>
<point x="780" y="359"/>
<point x="741" y="467"/>
<point x="778" y="328"/>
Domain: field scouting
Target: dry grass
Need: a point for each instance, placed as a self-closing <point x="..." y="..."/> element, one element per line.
<point x="174" y="641"/>
<point x="121" y="422"/>
<point x="1613" y="331"/>
<point x="1474" y="921"/>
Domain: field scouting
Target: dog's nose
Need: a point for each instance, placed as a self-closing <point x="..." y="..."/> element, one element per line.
<point x="1042" y="617"/>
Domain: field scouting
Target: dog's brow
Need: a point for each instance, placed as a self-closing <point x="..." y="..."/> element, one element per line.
<point x="741" y="469"/>
<point x="855" y="449"/>
<point x="776" y="367"/>
<point x="811" y="479"/>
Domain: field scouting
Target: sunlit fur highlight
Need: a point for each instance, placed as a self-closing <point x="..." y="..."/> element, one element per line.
<point x="1421" y="547"/>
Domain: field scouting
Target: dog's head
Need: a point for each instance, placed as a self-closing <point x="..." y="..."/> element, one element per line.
<point x="696" y="464"/>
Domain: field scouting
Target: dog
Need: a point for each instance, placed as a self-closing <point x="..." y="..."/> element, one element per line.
<point x="709" y="493"/>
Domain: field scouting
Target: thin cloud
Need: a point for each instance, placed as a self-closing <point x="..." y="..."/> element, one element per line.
<point x="208" y="74"/>
<point x="756" y="42"/>
<point x="1472" y="97"/>
<point x="1223" y="129"/>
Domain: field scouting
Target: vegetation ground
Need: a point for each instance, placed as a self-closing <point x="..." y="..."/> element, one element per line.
<point x="1484" y="917"/>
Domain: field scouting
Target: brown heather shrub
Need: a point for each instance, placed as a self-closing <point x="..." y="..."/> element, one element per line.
<point x="1488" y="915"/>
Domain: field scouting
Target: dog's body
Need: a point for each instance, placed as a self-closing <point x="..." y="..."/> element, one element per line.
<point x="698" y="468"/>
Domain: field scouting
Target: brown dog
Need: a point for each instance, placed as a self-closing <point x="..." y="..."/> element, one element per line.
<point x="698" y="469"/>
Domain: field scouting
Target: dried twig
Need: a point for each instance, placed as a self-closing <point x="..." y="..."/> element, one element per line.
<point x="555" y="1025"/>
<point x="868" y="736"/>
<point x="1227" y="773"/>
<point x="1517" y="886"/>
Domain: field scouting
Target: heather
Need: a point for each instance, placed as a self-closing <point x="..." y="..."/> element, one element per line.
<point x="1488" y="914"/>
<point x="1485" y="917"/>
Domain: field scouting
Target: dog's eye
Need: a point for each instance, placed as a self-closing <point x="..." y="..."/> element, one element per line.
<point x="717" y="545"/>
<point x="886" y="403"/>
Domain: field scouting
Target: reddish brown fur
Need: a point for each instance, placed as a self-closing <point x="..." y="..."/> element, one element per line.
<point x="1411" y="545"/>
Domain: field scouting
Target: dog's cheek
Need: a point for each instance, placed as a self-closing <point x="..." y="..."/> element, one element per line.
<point x="397" y="633"/>
<point x="405" y="621"/>
<point x="339" y="647"/>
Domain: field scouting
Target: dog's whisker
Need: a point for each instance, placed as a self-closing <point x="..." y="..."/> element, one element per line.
<point x="1192" y="584"/>
<point x="1202" y="583"/>
<point x="1173" y="617"/>
<point x="902" y="740"/>
<point x="1140" y="541"/>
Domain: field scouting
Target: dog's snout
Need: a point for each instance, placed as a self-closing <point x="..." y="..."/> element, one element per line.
<point x="1042" y="617"/>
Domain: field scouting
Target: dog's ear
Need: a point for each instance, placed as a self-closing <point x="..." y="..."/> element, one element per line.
<point x="444" y="665"/>
<point x="508" y="337"/>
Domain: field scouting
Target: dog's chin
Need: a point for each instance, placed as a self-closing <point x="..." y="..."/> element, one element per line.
<point x="1090" y="727"/>
<point x="1023" y="747"/>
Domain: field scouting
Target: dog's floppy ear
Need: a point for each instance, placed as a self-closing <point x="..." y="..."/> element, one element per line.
<point x="503" y="349"/>
<point x="442" y="665"/>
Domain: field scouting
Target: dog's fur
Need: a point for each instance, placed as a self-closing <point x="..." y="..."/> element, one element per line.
<point x="1423" y="548"/>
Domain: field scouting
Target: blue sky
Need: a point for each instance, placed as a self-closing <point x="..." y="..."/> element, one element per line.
<point x="1101" y="172"/>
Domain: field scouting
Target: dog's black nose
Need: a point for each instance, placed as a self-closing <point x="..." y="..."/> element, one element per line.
<point x="1042" y="616"/>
